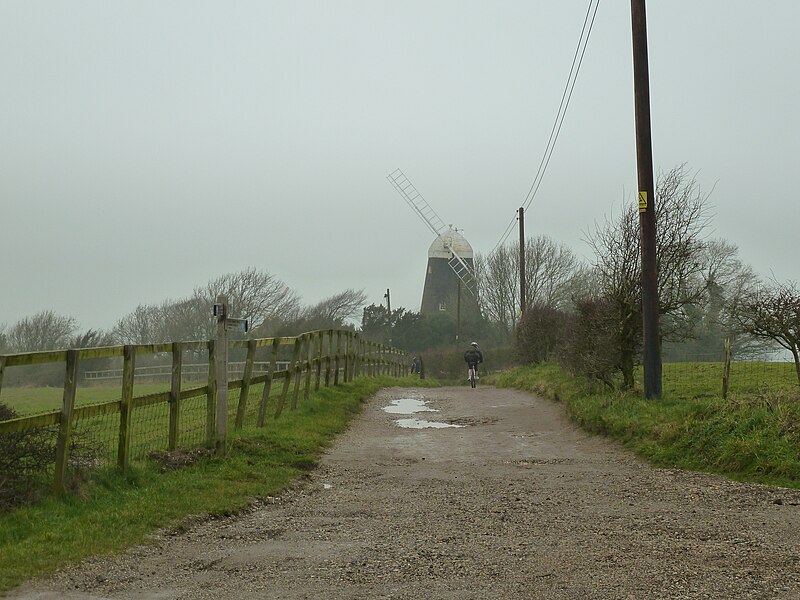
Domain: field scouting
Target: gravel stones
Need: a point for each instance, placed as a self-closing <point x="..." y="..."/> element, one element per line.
<point x="517" y="504"/>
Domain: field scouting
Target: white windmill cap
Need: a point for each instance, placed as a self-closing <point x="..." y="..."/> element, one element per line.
<point x="440" y="248"/>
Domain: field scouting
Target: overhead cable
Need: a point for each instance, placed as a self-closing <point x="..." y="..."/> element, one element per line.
<point x="566" y="96"/>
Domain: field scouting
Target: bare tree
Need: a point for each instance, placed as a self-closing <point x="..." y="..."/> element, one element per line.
<point x="143" y="326"/>
<point x="681" y="221"/>
<point x="550" y="271"/>
<point x="252" y="294"/>
<point x="91" y="338"/>
<point x="43" y="331"/>
<point x="773" y="313"/>
<point x="256" y="295"/>
<point x="332" y="312"/>
<point x="498" y="286"/>
<point x="728" y="280"/>
<point x="3" y="338"/>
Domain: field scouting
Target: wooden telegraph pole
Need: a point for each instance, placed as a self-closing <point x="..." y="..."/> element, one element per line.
<point x="647" y="208"/>
<point x="522" y="290"/>
<point x="388" y="297"/>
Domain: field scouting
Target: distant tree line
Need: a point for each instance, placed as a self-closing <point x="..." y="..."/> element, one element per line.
<point x="587" y="315"/>
<point x="272" y="307"/>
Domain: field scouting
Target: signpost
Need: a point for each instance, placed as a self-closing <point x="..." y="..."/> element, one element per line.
<point x="224" y="324"/>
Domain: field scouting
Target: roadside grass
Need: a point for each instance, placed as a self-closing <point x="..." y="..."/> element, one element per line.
<point x="114" y="511"/>
<point x="753" y="436"/>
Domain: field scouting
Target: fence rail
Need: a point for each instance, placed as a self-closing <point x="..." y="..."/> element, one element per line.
<point x="153" y="372"/>
<point x="131" y="426"/>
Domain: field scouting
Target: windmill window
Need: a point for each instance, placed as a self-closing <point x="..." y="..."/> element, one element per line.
<point x="442" y="306"/>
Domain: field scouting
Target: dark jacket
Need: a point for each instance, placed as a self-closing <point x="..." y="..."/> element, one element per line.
<point x="473" y="356"/>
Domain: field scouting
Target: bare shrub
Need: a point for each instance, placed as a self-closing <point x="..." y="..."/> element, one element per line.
<point x="540" y="333"/>
<point x="25" y="458"/>
<point x="590" y="346"/>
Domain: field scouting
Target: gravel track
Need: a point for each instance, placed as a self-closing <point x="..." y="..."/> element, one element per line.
<point x="517" y="503"/>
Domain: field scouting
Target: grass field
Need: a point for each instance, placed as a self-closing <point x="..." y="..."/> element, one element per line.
<point x="113" y="511"/>
<point x="754" y="435"/>
<point x="98" y="435"/>
<point x="31" y="400"/>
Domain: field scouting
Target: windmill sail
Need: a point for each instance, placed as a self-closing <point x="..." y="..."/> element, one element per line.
<point x="464" y="272"/>
<point x="415" y="200"/>
<point x="445" y="235"/>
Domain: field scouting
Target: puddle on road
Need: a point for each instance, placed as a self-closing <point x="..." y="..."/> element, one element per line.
<point x="420" y="424"/>
<point x="408" y="406"/>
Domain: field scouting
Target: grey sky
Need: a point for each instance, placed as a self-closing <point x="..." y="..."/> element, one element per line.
<point x="134" y="133"/>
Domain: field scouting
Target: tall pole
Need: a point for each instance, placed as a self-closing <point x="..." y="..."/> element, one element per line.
<point x="458" y="311"/>
<point x="647" y="208"/>
<point x="522" y="290"/>
<point x="388" y="297"/>
<point x="221" y="376"/>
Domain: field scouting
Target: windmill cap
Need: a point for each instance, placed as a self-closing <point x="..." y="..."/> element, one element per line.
<point x="474" y="343"/>
<point x="440" y="248"/>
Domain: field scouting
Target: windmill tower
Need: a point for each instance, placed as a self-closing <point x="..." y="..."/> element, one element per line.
<point x="450" y="284"/>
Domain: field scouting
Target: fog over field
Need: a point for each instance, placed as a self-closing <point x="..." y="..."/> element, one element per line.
<point x="149" y="147"/>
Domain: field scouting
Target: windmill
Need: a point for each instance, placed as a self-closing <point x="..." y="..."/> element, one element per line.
<point x="450" y="258"/>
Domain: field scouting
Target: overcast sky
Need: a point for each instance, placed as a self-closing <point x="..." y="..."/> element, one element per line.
<point x="147" y="147"/>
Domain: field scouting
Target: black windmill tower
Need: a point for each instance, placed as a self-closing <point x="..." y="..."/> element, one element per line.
<point x="450" y="282"/>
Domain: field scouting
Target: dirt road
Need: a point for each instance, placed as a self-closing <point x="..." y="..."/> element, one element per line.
<point x="516" y="503"/>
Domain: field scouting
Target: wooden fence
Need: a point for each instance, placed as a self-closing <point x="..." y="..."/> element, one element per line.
<point x="318" y="358"/>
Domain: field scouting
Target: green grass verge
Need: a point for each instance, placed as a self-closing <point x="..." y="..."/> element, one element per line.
<point x="114" y="511"/>
<point x="753" y="436"/>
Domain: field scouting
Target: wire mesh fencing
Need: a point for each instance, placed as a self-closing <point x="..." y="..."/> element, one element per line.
<point x="705" y="375"/>
<point x="65" y="413"/>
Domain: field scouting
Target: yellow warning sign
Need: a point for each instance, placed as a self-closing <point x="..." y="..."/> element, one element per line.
<point x="642" y="202"/>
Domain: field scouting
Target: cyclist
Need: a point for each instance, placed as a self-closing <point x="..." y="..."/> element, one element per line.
<point x="473" y="357"/>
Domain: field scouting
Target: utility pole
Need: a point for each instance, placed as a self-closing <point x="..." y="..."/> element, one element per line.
<point x="458" y="312"/>
<point x="647" y="208"/>
<point x="522" y="290"/>
<point x="388" y="297"/>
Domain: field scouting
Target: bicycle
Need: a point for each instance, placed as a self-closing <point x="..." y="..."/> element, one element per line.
<point x="473" y="375"/>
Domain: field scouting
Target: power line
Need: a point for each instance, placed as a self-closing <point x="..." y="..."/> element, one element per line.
<point x="566" y="96"/>
<point x="566" y="105"/>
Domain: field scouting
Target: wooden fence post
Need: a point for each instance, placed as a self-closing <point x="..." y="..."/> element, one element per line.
<point x="298" y="367"/>
<point x="65" y="422"/>
<point x="262" y="409"/>
<point x="336" y="357"/>
<point x="2" y="370"/>
<point x="328" y="356"/>
<point x="356" y="345"/>
<point x="287" y="380"/>
<point x="309" y="354"/>
<point x="726" y="369"/>
<point x="211" y="403"/>
<point x="246" y="377"/>
<point x="347" y="356"/>
<point x="175" y="395"/>
<point x="371" y="360"/>
<point x="126" y="406"/>
<point x="320" y="337"/>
